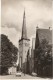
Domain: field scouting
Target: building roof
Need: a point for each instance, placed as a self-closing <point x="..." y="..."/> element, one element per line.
<point x="45" y="34"/>
<point x="24" y="30"/>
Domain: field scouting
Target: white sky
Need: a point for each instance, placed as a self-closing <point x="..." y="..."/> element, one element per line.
<point x="38" y="12"/>
<point x="0" y="17"/>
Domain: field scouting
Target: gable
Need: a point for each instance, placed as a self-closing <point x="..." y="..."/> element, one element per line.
<point x="45" y="34"/>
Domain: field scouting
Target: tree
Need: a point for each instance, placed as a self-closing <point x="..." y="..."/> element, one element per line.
<point x="44" y="58"/>
<point x="8" y="53"/>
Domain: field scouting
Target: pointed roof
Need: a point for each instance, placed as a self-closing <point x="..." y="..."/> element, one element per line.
<point x="24" y="31"/>
<point x="45" y="34"/>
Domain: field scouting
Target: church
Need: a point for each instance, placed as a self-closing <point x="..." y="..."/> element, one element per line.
<point x="27" y="62"/>
<point x="24" y="45"/>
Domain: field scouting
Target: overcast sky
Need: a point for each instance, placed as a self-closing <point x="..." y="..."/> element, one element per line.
<point x="38" y="12"/>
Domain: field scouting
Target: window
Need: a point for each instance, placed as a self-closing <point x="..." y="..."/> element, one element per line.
<point x="26" y="44"/>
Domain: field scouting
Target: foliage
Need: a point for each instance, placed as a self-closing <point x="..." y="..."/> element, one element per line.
<point x="44" y="58"/>
<point x="8" y="52"/>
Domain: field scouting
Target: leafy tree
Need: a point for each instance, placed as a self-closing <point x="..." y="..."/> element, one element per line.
<point x="8" y="53"/>
<point x="44" y="58"/>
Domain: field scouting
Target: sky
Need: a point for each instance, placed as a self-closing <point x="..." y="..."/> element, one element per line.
<point x="0" y="17"/>
<point x="37" y="12"/>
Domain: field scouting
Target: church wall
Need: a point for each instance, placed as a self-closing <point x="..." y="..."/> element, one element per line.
<point x="25" y="49"/>
<point x="23" y="45"/>
<point x="20" y="53"/>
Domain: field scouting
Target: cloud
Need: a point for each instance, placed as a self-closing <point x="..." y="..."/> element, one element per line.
<point x="12" y="11"/>
<point x="12" y="34"/>
<point x="0" y="17"/>
<point x="38" y="12"/>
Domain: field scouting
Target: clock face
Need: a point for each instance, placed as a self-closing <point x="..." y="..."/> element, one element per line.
<point x="20" y="43"/>
<point x="26" y="44"/>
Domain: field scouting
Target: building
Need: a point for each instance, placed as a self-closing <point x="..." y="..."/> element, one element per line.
<point x="24" y="44"/>
<point x="12" y="70"/>
<point x="29" y="62"/>
<point x="43" y="34"/>
<point x="32" y="53"/>
<point x="40" y="35"/>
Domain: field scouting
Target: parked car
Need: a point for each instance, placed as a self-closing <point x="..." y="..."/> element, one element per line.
<point x="18" y="73"/>
<point x="34" y="74"/>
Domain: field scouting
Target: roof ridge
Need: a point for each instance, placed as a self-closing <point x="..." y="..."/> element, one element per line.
<point x="43" y="29"/>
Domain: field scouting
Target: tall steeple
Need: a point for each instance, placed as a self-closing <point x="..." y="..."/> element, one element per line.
<point x="23" y="46"/>
<point x="24" y="31"/>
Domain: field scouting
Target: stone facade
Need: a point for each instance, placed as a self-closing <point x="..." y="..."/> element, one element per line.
<point x="23" y="46"/>
<point x="23" y="49"/>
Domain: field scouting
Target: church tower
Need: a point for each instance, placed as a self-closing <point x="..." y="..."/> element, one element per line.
<point x="23" y="45"/>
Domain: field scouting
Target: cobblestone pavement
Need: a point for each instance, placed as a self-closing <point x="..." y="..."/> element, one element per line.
<point x="22" y="77"/>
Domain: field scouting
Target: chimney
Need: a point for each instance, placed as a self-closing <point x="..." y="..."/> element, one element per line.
<point x="49" y="28"/>
<point x="37" y="27"/>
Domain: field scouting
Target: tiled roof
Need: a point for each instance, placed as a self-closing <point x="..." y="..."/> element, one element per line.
<point x="45" y="34"/>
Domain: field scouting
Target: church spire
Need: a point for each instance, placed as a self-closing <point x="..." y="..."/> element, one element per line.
<point x="24" y="31"/>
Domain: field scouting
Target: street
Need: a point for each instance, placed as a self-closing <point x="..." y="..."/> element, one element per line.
<point x="22" y="77"/>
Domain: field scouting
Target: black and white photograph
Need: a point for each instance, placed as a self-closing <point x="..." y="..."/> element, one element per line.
<point x="26" y="39"/>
